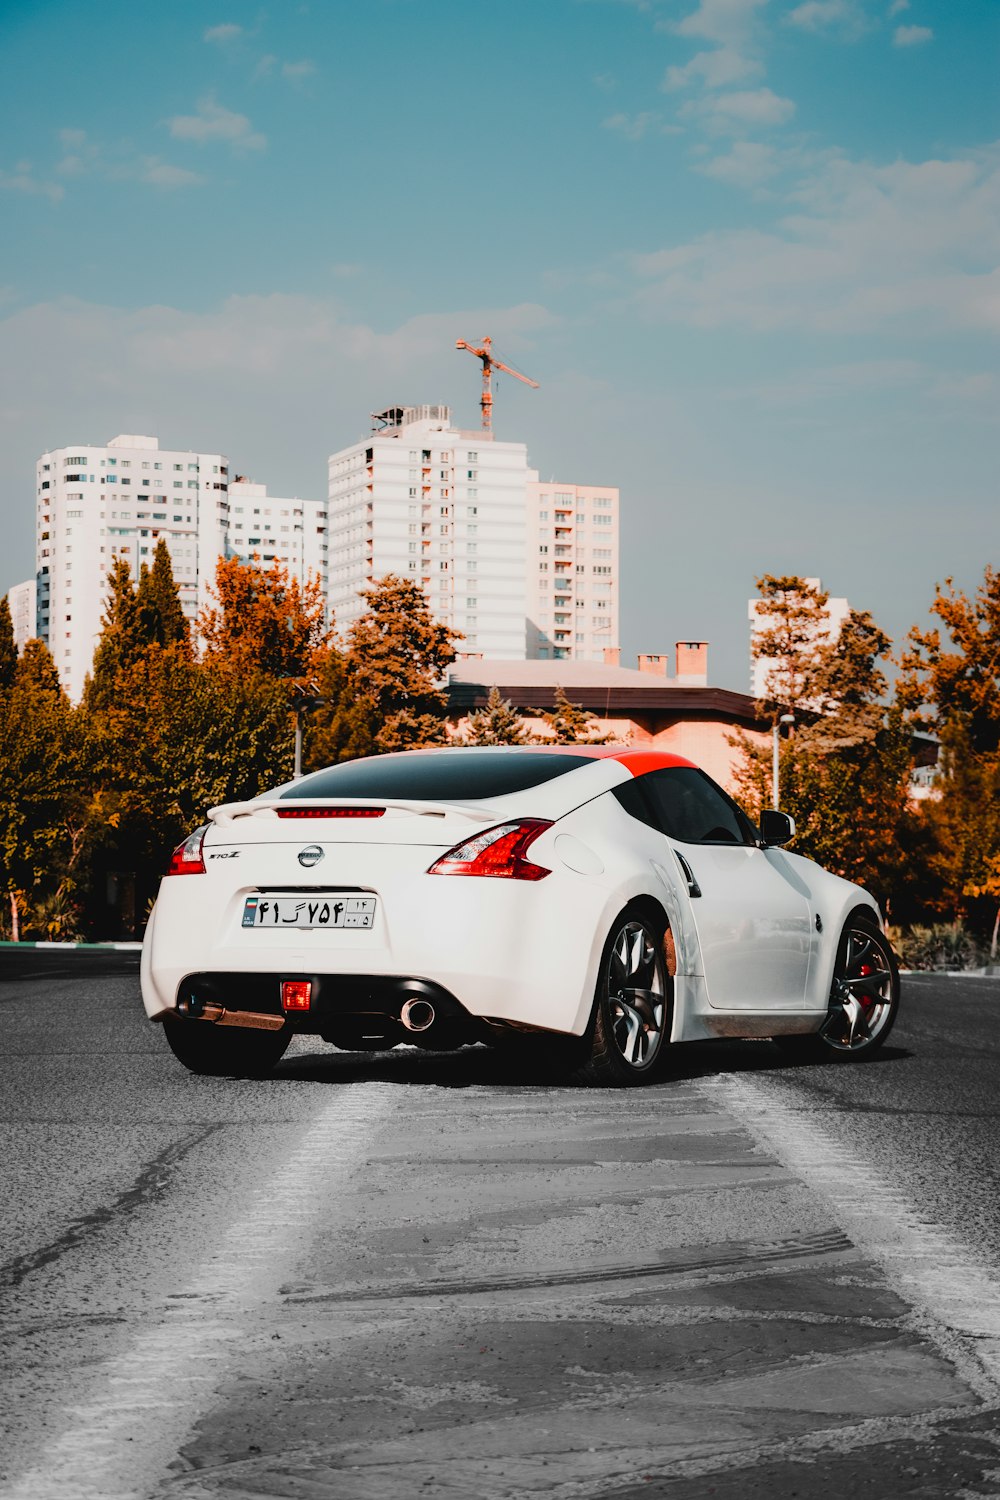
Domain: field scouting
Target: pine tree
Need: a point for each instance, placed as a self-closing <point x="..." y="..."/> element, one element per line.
<point x="122" y="639"/>
<point x="572" y="725"/>
<point x="396" y="656"/>
<point x="497" y="723"/>
<point x="161" y="618"/>
<point x="794" y="624"/>
<point x="8" y="651"/>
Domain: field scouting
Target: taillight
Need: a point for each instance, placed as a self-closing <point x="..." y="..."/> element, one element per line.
<point x="187" y="858"/>
<point x="499" y="852"/>
<point x="331" y="812"/>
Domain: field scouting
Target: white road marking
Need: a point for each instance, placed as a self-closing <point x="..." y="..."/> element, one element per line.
<point x="118" y="1444"/>
<point x="930" y="1268"/>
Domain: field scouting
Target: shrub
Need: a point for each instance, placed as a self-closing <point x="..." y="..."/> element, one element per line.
<point x="946" y="945"/>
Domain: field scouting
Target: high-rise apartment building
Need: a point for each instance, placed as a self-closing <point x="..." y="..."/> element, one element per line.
<point x="293" y="531"/>
<point x="22" y="600"/>
<point x="444" y="507"/>
<point x="761" y="667"/>
<point x="572" y="571"/>
<point x="97" y="503"/>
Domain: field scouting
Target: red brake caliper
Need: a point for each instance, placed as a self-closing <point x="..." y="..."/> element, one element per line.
<point x="867" y="1001"/>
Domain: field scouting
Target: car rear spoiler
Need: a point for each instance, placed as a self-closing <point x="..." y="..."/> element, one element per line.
<point x="227" y="812"/>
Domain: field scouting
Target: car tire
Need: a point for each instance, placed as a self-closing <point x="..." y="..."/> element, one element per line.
<point x="633" y="1007"/>
<point x="865" y="972"/>
<point x="225" y="1051"/>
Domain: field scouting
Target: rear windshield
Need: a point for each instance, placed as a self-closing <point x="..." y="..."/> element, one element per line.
<point x="451" y="776"/>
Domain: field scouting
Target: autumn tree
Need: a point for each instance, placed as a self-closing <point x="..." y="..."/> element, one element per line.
<point x="263" y="620"/>
<point x="950" y="685"/>
<point x="845" y="768"/>
<point x="40" y="798"/>
<point x="569" y="724"/>
<point x="496" y="723"/>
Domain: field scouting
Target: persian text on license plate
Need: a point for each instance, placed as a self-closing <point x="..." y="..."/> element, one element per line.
<point x="309" y="911"/>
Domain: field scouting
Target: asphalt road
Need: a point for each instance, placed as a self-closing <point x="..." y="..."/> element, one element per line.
<point x="407" y="1274"/>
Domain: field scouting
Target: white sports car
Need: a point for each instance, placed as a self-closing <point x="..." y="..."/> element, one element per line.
<point x="614" y="901"/>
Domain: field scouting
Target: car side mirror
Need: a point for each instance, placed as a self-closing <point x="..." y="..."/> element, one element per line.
<point x="776" y="828"/>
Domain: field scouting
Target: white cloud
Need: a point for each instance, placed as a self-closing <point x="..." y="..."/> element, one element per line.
<point x="294" y="71"/>
<point x="857" y="246"/>
<point x="162" y="174"/>
<point x="634" y="127"/>
<point x="716" y="69"/>
<point x="215" y="123"/>
<point x="748" y="164"/>
<point x="897" y="6"/>
<point x="22" y="180"/>
<point x="825" y="15"/>
<point x="229" y="32"/>
<point x="725" y="21"/>
<point x="606" y="82"/>
<point x="911" y="36"/>
<point x="753" y="107"/>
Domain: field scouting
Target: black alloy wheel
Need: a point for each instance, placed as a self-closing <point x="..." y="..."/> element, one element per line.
<point x="633" y="1006"/>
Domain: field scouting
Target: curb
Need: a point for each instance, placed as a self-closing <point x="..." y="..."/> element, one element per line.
<point x="72" y="947"/>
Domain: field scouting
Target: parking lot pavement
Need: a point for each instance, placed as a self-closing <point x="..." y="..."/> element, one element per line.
<point x="399" y="1274"/>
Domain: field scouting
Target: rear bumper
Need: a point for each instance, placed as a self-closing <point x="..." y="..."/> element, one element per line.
<point x="520" y="952"/>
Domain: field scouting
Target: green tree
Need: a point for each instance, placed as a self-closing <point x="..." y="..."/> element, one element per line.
<point x="497" y="723"/>
<point x="793" y="623"/>
<point x="384" y="694"/>
<point x="571" y="725"/>
<point x="8" y="651"/>
<point x="161" y="617"/>
<point x="122" y="639"/>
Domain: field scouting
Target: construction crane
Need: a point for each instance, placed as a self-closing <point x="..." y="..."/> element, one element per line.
<point x="490" y="363"/>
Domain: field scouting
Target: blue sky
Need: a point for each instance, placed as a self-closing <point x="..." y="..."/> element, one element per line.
<point x="749" y="249"/>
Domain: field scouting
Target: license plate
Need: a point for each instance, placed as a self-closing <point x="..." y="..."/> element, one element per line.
<point x="309" y="911"/>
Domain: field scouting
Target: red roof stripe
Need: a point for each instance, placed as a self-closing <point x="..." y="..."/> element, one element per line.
<point x="636" y="761"/>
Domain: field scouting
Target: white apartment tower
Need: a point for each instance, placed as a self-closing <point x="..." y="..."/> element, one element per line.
<point x="97" y="503"/>
<point x="291" y="531"/>
<point x="572" y="569"/>
<point x="446" y="508"/>
<point x="22" y="600"/>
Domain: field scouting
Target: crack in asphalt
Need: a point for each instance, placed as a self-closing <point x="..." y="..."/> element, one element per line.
<point x="150" y="1185"/>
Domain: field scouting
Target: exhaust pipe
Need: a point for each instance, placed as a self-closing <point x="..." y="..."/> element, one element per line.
<point x="417" y="1015"/>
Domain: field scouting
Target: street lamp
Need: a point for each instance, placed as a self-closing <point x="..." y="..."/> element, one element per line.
<point x="775" y="736"/>
<point x="303" y="702"/>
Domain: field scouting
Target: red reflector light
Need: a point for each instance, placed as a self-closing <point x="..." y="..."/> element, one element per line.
<point x="187" y="858"/>
<point x="498" y="852"/>
<point x="296" y="994"/>
<point x="331" y="812"/>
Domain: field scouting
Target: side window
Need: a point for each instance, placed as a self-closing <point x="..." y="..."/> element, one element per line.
<point x="688" y="806"/>
<point x="635" y="802"/>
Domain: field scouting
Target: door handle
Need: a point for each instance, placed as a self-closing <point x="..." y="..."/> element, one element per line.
<point x="694" y="889"/>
